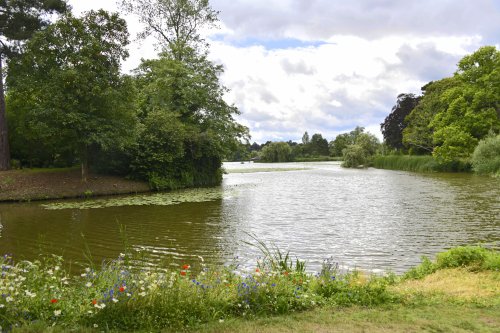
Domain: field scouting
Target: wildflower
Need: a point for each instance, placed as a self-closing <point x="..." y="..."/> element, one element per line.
<point x="94" y="301"/>
<point x="128" y="294"/>
<point x="88" y="284"/>
<point x="185" y="266"/>
<point x="57" y="268"/>
<point x="142" y="294"/>
<point x="221" y="321"/>
<point x="183" y="273"/>
<point x="2" y="306"/>
<point x="57" y="313"/>
<point x="114" y="300"/>
<point x="83" y="275"/>
<point x="122" y="288"/>
<point x="54" y="300"/>
<point x="285" y="273"/>
<point x="96" y="326"/>
<point x="50" y="272"/>
<point x="30" y="294"/>
<point x="257" y="270"/>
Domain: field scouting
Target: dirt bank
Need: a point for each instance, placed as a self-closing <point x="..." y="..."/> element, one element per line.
<point x="41" y="184"/>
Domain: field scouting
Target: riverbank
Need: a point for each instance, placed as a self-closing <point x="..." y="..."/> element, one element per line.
<point x="43" y="184"/>
<point x="458" y="292"/>
<point x="425" y="163"/>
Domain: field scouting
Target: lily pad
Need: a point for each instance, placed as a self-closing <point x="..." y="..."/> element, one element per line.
<point x="158" y="199"/>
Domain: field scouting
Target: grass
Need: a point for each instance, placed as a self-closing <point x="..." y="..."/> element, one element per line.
<point x="406" y="163"/>
<point x="425" y="163"/>
<point x="458" y="292"/>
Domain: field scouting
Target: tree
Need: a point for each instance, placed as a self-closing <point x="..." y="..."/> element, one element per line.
<point x="177" y="23"/>
<point x="471" y="109"/>
<point x="305" y="138"/>
<point x="418" y="134"/>
<point x="394" y="124"/>
<point x="354" y="156"/>
<point x="277" y="152"/>
<point x="19" y="19"/>
<point x="486" y="156"/>
<point x="69" y="76"/>
<point x="343" y="140"/>
<point x="319" y="145"/>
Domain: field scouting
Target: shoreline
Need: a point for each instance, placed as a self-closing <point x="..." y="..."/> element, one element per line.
<point x="48" y="184"/>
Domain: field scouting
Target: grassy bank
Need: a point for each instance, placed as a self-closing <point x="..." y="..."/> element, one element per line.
<point x="417" y="164"/>
<point x="278" y="295"/>
<point x="41" y="184"/>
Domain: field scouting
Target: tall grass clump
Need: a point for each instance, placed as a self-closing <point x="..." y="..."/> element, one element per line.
<point x="406" y="163"/>
<point x="418" y="163"/>
<point x="474" y="258"/>
<point x="486" y="156"/>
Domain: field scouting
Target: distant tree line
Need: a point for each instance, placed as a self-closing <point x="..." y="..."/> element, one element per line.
<point x="355" y="148"/>
<point x="452" y="116"/>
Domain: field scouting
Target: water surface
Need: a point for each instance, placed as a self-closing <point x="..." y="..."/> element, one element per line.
<point x="370" y="219"/>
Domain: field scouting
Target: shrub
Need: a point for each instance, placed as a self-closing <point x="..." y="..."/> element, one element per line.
<point x="486" y="156"/>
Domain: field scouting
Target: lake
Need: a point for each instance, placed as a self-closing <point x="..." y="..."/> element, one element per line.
<point x="375" y="220"/>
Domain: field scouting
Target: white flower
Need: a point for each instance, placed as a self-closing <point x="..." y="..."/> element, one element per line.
<point x="88" y="284"/>
<point x="96" y="326"/>
<point x="87" y="269"/>
<point x="57" y="268"/>
<point x="30" y="294"/>
<point x="50" y="272"/>
<point x="142" y="294"/>
<point x="83" y="275"/>
<point x="57" y="313"/>
<point x="128" y="294"/>
<point x="9" y="299"/>
<point x="2" y="306"/>
<point x="221" y="320"/>
<point x="114" y="300"/>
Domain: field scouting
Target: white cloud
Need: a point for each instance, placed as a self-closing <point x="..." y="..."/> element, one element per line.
<point x="357" y="57"/>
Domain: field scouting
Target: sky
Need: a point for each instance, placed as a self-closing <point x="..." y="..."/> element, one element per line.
<point x="327" y="66"/>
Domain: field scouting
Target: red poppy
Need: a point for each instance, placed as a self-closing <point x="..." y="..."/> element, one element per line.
<point x="285" y="273"/>
<point x="257" y="270"/>
<point x="183" y="273"/>
<point x="185" y="266"/>
<point x="122" y="289"/>
<point x="54" y="300"/>
<point x="94" y="301"/>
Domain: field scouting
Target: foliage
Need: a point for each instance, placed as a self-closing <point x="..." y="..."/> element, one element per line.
<point x="455" y="113"/>
<point x="354" y="156"/>
<point x="18" y="21"/>
<point x="407" y="163"/>
<point x="486" y="156"/>
<point x="394" y="124"/>
<point x="341" y="141"/>
<point x="474" y="258"/>
<point x="318" y="145"/>
<point x="277" y="152"/>
<point x="69" y="84"/>
<point x="116" y="296"/>
<point x="361" y="151"/>
<point x="187" y="127"/>
<point x="176" y="24"/>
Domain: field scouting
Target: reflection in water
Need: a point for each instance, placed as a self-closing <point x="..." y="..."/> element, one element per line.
<point x="371" y="219"/>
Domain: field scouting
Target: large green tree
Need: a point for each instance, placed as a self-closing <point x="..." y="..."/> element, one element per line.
<point x="472" y="109"/>
<point x="19" y="19"/>
<point x="182" y="89"/>
<point x="69" y="81"/>
<point x="394" y="124"/>
<point x="176" y="24"/>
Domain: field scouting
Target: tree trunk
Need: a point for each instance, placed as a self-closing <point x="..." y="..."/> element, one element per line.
<point x="85" y="164"/>
<point x="4" y="137"/>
